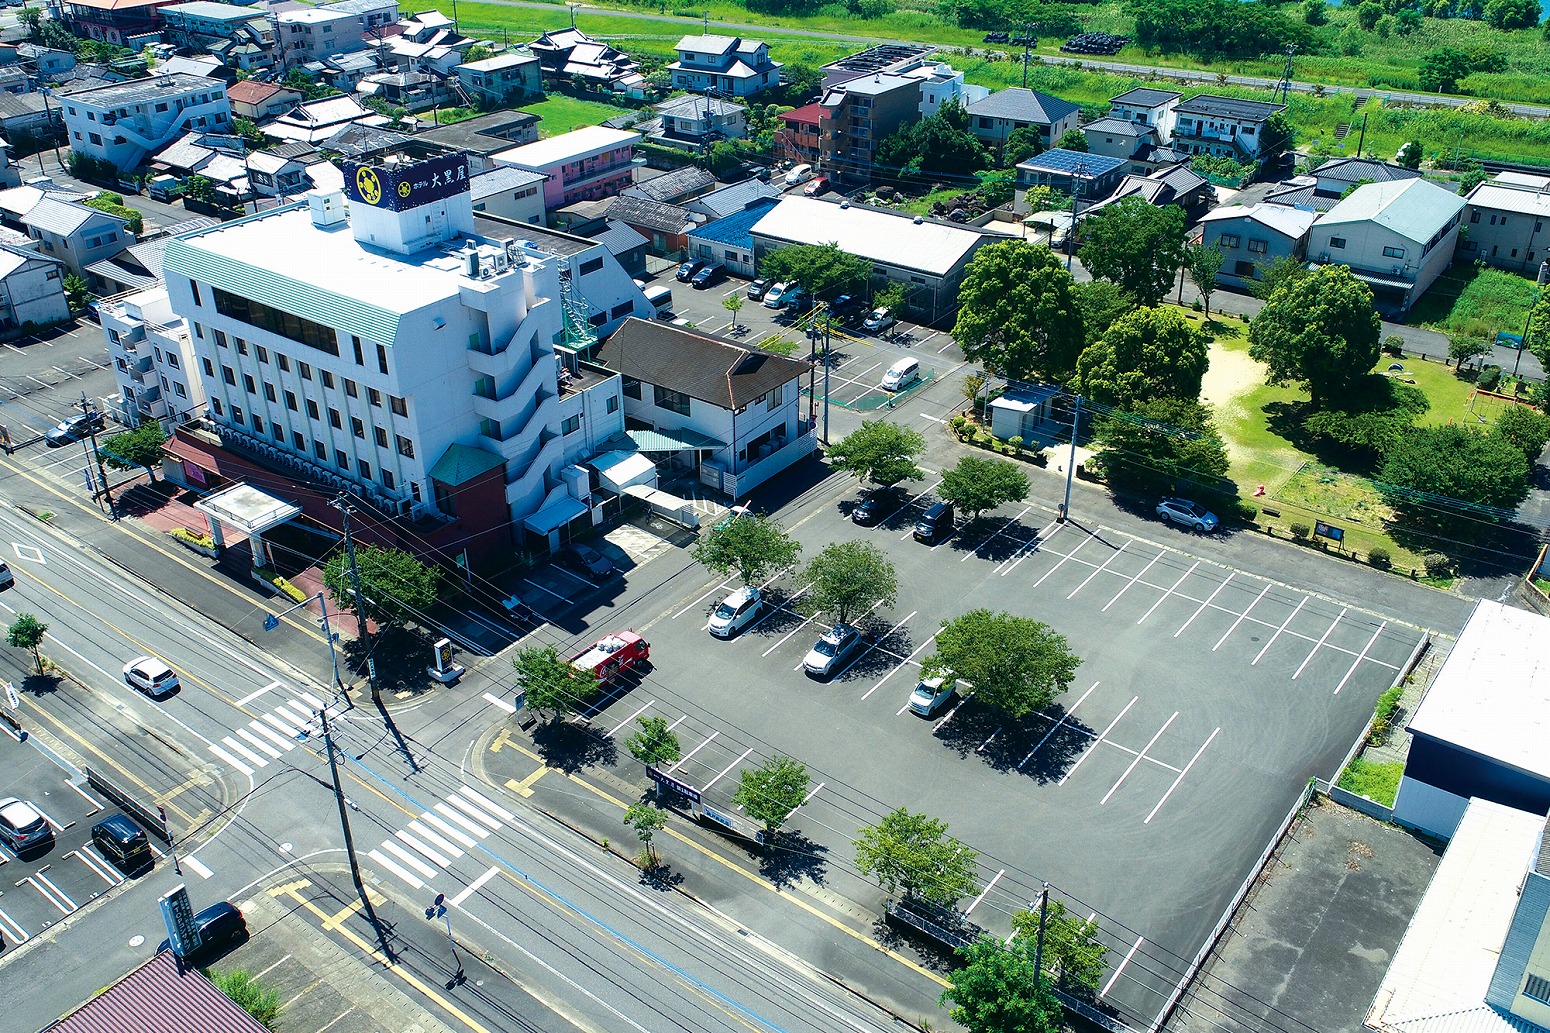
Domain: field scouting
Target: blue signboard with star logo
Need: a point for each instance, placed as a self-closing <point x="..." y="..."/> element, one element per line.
<point x="400" y="186"/>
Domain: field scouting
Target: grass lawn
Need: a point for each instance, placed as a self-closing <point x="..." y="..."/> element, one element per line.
<point x="1476" y="303"/>
<point x="562" y="114"/>
<point x="1379" y="782"/>
<point x="922" y="205"/>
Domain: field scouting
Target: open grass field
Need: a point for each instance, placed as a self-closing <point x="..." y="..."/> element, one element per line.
<point x="562" y="114"/>
<point x="1476" y="303"/>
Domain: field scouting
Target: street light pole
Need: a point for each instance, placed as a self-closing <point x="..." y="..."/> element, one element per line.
<point x="1076" y="418"/>
<point x="1544" y="277"/>
<point x="272" y="621"/>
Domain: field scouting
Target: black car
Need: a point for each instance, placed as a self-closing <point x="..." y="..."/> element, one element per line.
<point x="220" y="926"/>
<point x="847" y="308"/>
<point x="586" y="560"/>
<point x="709" y="276"/>
<point x="687" y="271"/>
<point x="758" y="289"/>
<point x="74" y="429"/>
<point x="997" y="37"/>
<point x="870" y="510"/>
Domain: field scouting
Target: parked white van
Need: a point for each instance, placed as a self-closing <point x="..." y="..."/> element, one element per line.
<point x="800" y="174"/>
<point x="901" y="374"/>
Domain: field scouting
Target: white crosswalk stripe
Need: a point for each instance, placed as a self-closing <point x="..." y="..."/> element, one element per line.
<point x="272" y="734"/>
<point x="434" y="838"/>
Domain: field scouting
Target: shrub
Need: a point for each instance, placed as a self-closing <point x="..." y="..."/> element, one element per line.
<point x="1490" y="377"/>
<point x="1383" y="715"/>
<point x="1380" y="558"/>
<point x="1394" y="345"/>
<point x="1439" y="564"/>
<point x="204" y="541"/>
<point x="1195" y="305"/>
<point x="286" y="588"/>
<point x="1016" y="441"/>
<point x="1301" y="531"/>
<point x="1246" y="511"/>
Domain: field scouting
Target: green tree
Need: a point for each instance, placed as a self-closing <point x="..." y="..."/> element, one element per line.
<point x="823" y="269"/>
<point x="733" y="303"/>
<point x="1525" y="428"/>
<point x="1021" y="144"/>
<point x="1100" y="303"/>
<point x="26" y="632"/>
<point x="1278" y="136"/>
<point x="1537" y="339"/>
<point x="913" y="853"/>
<point x="32" y="17"/>
<point x="1073" y="140"/>
<point x="1315" y="12"/>
<point x="655" y="743"/>
<point x="1407" y="21"/>
<point x="478" y="52"/>
<point x="1017" y="315"/>
<point x="769" y="793"/>
<point x="251" y="135"/>
<point x="200" y="189"/>
<point x="1511" y="14"/>
<point x="395" y="586"/>
<point x="973" y="386"/>
<point x="752" y="547"/>
<point x="1271" y="277"/>
<point x="977" y="483"/>
<point x="252" y="995"/>
<point x="1371" y="420"/>
<point x="850" y="577"/>
<point x="1136" y="245"/>
<point x="999" y="990"/>
<point x="552" y="686"/>
<point x="1149" y="353"/>
<point x="1319" y="331"/>
<point x="1072" y="951"/>
<point x="1451" y="462"/>
<point x="1465" y="349"/>
<point x="76" y="292"/>
<point x="1473" y="175"/>
<point x="1441" y="70"/>
<point x="1162" y="445"/>
<point x="113" y="204"/>
<point x="1203" y="262"/>
<point x="141" y="447"/>
<point x="1410" y="155"/>
<point x="1367" y="15"/>
<point x="1016" y="664"/>
<point x="881" y="452"/>
<point x="939" y="143"/>
<point x="646" y="821"/>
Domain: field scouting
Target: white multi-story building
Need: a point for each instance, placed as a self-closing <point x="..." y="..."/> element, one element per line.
<point x="32" y="288"/>
<point x="341" y="28"/>
<point x="124" y="122"/>
<point x="390" y="349"/>
<point x="153" y="358"/>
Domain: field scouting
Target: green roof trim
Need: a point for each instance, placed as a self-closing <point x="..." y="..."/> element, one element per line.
<point x="678" y="440"/>
<point x="460" y="464"/>
<point x="340" y="311"/>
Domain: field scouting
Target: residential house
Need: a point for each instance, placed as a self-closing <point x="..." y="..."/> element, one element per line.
<point x="857" y="115"/>
<point x="697" y="121"/>
<point x="46" y="61"/>
<point x="625" y="244"/>
<point x="1177" y="184"/>
<point x="246" y="55"/>
<point x="311" y="34"/>
<point x="481" y="137"/>
<point x="27" y="115"/>
<point x="1090" y="177"/>
<point x="261" y="101"/>
<point x="1397" y="237"/>
<point x="218" y="157"/>
<point x="412" y="91"/>
<point x="569" y="54"/>
<point x="161" y="994"/>
<point x="120" y="22"/>
<point x="728" y="65"/>
<point x="511" y="193"/>
<point x="1144" y="106"/>
<point x="729" y="412"/>
<point x="729" y="240"/>
<point x="124" y="123"/>
<point x="797" y="141"/>
<point x="281" y="171"/>
<point x="1254" y="237"/>
<point x="1224" y="127"/>
<point x="1114" y="137"/>
<point x="19" y="200"/>
<point x="581" y="165"/>
<point x="675" y="187"/>
<point x="344" y="72"/>
<point x="882" y="59"/>
<point x="10" y="172"/>
<point x="1504" y="222"/>
<point x="927" y="256"/>
<point x="667" y="226"/>
<point x="729" y="200"/>
<point x="316" y="121"/>
<point x="360" y="143"/>
<point x="511" y="78"/>
<point x="940" y="84"/>
<point x="996" y="117"/>
<point x="75" y="234"/>
<point x="32" y="289"/>
<point x="1326" y="185"/>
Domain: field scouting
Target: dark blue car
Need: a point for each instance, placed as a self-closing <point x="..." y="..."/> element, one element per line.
<point x="709" y="276"/>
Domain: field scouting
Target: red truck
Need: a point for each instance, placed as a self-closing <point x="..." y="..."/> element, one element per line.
<point x="612" y="655"/>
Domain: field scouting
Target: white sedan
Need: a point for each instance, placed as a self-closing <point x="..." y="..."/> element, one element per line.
<point x="150" y="676"/>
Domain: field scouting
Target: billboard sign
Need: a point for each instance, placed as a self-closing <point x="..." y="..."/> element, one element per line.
<point x="667" y="781"/>
<point x="178" y="914"/>
<point x="402" y="186"/>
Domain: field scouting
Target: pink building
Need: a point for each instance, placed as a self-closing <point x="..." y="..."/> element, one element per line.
<point x="582" y="165"/>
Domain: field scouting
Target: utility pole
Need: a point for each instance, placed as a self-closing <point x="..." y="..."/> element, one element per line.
<point x="1038" y="948"/>
<point x="1363" y="137"/>
<point x="1076" y="419"/>
<point x="1076" y="186"/>
<point x="1284" y="87"/>
<point x="362" y="632"/>
<point x="102" y="474"/>
<point x="827" y="363"/>
<point x="349" y="839"/>
<point x="1028" y="42"/>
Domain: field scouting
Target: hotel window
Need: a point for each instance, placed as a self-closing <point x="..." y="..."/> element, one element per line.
<point x="405" y="447"/>
<point x="312" y="409"/>
<point x="269" y="392"/>
<point x="357" y="427"/>
<point x="334" y="419"/>
<point x="399" y="405"/>
<point x="326" y="378"/>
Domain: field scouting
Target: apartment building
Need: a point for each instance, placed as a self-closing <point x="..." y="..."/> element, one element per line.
<point x="582" y="165"/>
<point x="1224" y="127"/>
<point x="857" y="115"/>
<point x="1504" y="222"/>
<point x="124" y="122"/>
<point x="504" y="79"/>
<point x="152" y="354"/>
<point x="340" y="28"/>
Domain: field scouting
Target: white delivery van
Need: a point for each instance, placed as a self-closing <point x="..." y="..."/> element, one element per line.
<point x="661" y="299"/>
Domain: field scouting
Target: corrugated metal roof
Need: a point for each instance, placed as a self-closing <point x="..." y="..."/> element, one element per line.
<point x="460" y="464"/>
<point x="64" y="217"/>
<point x="159" y="996"/>
<point x="1413" y="208"/>
<point x="884" y="237"/>
<point x="734" y="229"/>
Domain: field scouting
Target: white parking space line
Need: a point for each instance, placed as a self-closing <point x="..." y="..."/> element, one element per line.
<point x="15" y="933"/>
<point x="1230" y="575"/>
<point x="995" y="534"/>
<point x="1320" y="643"/>
<point x="1152" y="742"/>
<point x="1355" y="663"/>
<point x="808" y="797"/>
<point x="907" y="661"/>
<point x="1063" y="559"/>
<point x="988" y="740"/>
<point x="994" y="879"/>
<point x="701" y="599"/>
<point x="1063" y="719"/>
<point x="53" y="894"/>
<point x="1032" y="545"/>
<point x="726" y="769"/>
<point x="876" y="643"/>
<point x="382" y="859"/>
<point x="688" y="756"/>
<point x="97" y="865"/>
<point x="615" y="730"/>
<point x="250" y="697"/>
<point x="1242" y="615"/>
<point x="1092" y="745"/>
<point x="1169" y="592"/>
<point x="949" y="715"/>
<point x="788" y="634"/>
<point x="1115" y="977"/>
<point x="473" y="887"/>
<point x="496" y="701"/>
<point x="1099" y="570"/>
<point x="1131" y="582"/>
<point x="1266" y="647"/>
<point x="1211" y="738"/>
<point x="681" y="719"/>
<point x="545" y="590"/>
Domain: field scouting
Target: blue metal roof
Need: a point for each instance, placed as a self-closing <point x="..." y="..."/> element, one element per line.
<point x="734" y="229"/>
<point x="1065" y="163"/>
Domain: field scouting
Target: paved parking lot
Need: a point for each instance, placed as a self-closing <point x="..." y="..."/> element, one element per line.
<point x="43" y="888"/>
<point x="1208" y="695"/>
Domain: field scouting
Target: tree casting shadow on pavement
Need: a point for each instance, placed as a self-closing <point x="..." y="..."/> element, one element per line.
<point x="39" y="685"/>
<point x="661" y="876"/>
<point x="930" y="953"/>
<point x="1013" y="738"/>
<point x="791" y="856"/>
<point x="570" y="747"/>
<point x="402" y="657"/>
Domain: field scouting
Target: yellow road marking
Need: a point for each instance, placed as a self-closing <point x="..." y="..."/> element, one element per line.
<point x="525" y="787"/>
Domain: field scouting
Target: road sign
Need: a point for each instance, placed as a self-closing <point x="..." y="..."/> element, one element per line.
<point x="732" y="823"/>
<point x="178" y="914"/>
<point x="11" y="698"/>
<point x="667" y="781"/>
<point x="1330" y="531"/>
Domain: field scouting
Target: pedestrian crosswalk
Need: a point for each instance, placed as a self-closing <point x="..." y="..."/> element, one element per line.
<point x="274" y="733"/>
<point x="439" y="836"/>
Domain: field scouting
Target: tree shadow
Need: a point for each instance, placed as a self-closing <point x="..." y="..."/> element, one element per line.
<point x="992" y="539"/>
<point x="401" y="658"/>
<point x="661" y="877"/>
<point x="1022" y="744"/>
<point x="36" y="684"/>
<point x="928" y="951"/>
<point x="570" y="747"/>
<point x="790" y="857"/>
